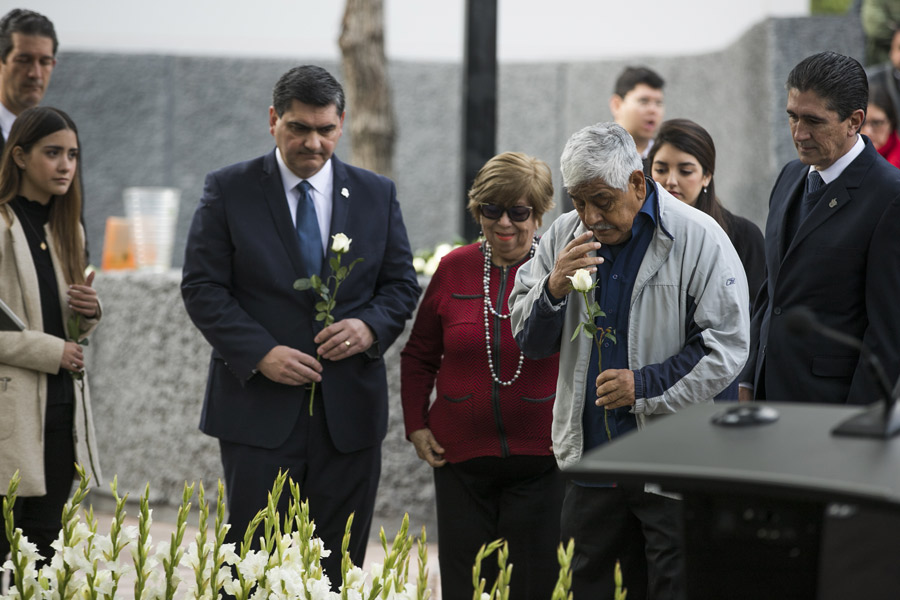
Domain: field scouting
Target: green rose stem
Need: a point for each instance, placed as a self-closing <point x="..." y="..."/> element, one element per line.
<point x="581" y="282"/>
<point x="340" y="245"/>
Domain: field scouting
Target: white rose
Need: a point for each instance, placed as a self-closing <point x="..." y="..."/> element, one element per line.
<point x="340" y="244"/>
<point x="581" y="280"/>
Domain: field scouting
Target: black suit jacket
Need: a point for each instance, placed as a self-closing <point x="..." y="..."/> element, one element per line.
<point x="844" y="264"/>
<point x="241" y="260"/>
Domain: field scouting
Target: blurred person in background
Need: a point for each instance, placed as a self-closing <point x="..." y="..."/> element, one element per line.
<point x="881" y="124"/>
<point x="637" y="104"/>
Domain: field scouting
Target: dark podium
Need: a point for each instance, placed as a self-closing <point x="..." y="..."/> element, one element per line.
<point x="777" y="510"/>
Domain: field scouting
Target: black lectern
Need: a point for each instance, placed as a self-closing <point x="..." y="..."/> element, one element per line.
<point x="777" y="510"/>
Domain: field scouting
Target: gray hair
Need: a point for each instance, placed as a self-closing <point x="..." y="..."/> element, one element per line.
<point x="605" y="151"/>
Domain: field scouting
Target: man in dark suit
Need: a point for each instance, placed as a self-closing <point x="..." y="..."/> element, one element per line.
<point x="27" y="56"/>
<point x="832" y="245"/>
<point x="243" y="255"/>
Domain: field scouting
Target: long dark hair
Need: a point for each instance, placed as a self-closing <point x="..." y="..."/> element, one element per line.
<point x="688" y="137"/>
<point x="30" y="127"/>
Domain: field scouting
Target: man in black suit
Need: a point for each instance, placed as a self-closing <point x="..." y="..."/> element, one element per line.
<point x="243" y="254"/>
<point x="832" y="245"/>
<point x="28" y="47"/>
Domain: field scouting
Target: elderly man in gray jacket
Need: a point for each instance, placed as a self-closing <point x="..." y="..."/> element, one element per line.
<point x="674" y="295"/>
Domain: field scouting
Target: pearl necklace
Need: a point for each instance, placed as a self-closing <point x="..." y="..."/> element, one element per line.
<point x="489" y="310"/>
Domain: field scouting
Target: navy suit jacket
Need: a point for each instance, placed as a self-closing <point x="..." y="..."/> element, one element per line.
<point x="241" y="261"/>
<point x="843" y="264"/>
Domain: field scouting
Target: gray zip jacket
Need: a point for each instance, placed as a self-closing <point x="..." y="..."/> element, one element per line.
<point x="688" y="327"/>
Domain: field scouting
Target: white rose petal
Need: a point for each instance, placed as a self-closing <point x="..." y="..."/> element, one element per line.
<point x="340" y="244"/>
<point x="581" y="281"/>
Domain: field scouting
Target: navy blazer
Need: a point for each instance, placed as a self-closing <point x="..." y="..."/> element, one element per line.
<point x="241" y="261"/>
<point x="844" y="264"/>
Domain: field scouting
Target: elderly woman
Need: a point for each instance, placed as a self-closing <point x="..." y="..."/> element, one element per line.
<point x="487" y="433"/>
<point x="683" y="161"/>
<point x="45" y="419"/>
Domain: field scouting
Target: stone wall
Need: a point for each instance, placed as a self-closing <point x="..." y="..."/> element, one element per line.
<point x="148" y="367"/>
<point x="148" y="120"/>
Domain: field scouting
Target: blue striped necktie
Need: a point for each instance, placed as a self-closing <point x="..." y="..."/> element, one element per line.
<point x="308" y="230"/>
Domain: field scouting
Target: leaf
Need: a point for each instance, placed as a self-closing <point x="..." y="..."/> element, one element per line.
<point x="335" y="263"/>
<point x="577" y="331"/>
<point x="85" y="342"/>
<point x="590" y="329"/>
<point x="73" y="327"/>
<point x="320" y="316"/>
<point x="612" y="337"/>
<point x="316" y="281"/>
<point x="321" y="306"/>
<point x="342" y="273"/>
<point x="353" y="264"/>
<point x="302" y="284"/>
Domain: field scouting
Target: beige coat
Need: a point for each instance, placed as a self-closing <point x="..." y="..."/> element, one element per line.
<point x="25" y="359"/>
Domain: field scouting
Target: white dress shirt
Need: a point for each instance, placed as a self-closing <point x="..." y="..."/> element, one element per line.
<point x="322" y="186"/>
<point x="6" y="121"/>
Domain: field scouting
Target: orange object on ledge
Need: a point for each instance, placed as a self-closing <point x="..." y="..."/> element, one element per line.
<point x="118" y="245"/>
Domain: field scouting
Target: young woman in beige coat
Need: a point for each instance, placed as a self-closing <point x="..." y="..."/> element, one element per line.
<point x="45" y="415"/>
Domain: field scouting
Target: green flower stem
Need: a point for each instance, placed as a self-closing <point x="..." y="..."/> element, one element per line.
<point x="323" y="289"/>
<point x="598" y="339"/>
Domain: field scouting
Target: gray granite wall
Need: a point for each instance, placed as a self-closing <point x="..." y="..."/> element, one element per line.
<point x="163" y="120"/>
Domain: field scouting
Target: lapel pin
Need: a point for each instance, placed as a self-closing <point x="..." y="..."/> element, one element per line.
<point x="345" y="192"/>
<point x="833" y="203"/>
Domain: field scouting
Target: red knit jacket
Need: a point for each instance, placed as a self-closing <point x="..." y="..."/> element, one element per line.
<point x="891" y="149"/>
<point x="473" y="416"/>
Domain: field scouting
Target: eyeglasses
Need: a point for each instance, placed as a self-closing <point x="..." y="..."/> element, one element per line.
<point x="516" y="213"/>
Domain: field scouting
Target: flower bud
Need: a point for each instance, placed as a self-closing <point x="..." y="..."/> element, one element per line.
<point x="581" y="280"/>
<point x="340" y="244"/>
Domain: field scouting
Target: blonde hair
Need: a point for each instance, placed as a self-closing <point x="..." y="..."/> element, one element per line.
<point x="509" y="176"/>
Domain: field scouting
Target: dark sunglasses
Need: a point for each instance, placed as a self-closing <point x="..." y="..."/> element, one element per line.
<point x="516" y="213"/>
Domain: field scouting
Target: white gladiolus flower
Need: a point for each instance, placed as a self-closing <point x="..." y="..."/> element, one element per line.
<point x="103" y="583"/>
<point x="102" y="547"/>
<point x="231" y="586"/>
<point x="317" y="545"/>
<point x="28" y="549"/>
<point x="376" y="569"/>
<point x="320" y="589"/>
<point x="581" y="281"/>
<point x="228" y="554"/>
<point x="80" y="533"/>
<point x="340" y="244"/>
<point x="356" y="578"/>
<point x="254" y="565"/>
<point x="431" y="265"/>
<point x="75" y="558"/>
<point x="130" y="533"/>
<point x="442" y="250"/>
